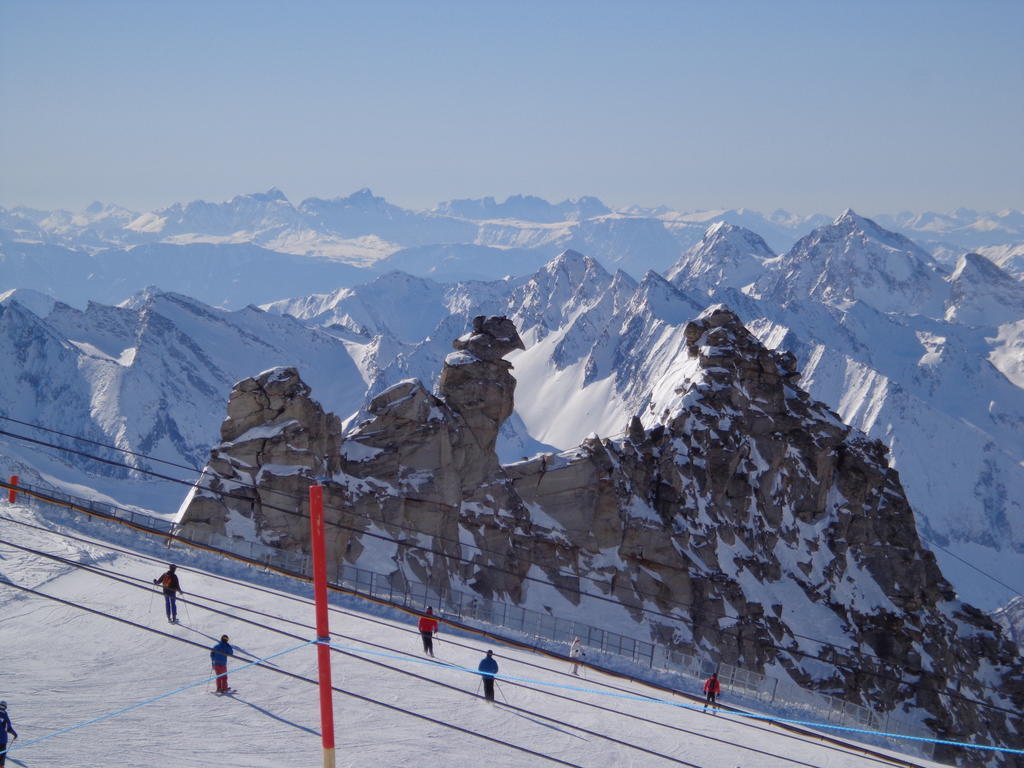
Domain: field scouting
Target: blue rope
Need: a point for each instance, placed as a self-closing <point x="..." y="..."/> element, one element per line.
<point x="694" y="707"/>
<point x="149" y="701"/>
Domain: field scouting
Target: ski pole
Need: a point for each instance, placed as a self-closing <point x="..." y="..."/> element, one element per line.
<point x="479" y="682"/>
<point x="501" y="691"/>
<point x="184" y="602"/>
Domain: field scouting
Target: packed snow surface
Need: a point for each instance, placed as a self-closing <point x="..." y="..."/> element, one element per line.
<point x="108" y="655"/>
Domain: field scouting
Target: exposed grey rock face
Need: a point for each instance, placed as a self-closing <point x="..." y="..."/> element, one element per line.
<point x="737" y="518"/>
<point x="276" y="441"/>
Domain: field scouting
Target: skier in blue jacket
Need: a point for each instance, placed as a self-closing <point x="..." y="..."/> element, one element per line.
<point x="488" y="669"/>
<point x="5" y="728"/>
<point x="219" y="658"/>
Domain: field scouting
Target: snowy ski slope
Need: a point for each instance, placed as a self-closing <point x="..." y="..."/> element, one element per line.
<point x="108" y="647"/>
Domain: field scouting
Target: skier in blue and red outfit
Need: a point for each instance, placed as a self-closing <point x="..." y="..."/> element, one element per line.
<point x="219" y="658"/>
<point x="5" y="728"/>
<point x="169" y="582"/>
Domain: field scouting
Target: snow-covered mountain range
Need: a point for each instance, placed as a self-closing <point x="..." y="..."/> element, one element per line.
<point x="226" y="250"/>
<point x="923" y="355"/>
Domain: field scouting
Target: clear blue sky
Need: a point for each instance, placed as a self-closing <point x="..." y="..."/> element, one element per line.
<point x="808" y="106"/>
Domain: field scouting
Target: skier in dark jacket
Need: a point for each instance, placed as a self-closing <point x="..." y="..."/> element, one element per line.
<point x="428" y="628"/>
<point x="169" y="582"/>
<point x="711" y="691"/>
<point x="5" y="728"/>
<point x="219" y="658"/>
<point x="488" y="669"/>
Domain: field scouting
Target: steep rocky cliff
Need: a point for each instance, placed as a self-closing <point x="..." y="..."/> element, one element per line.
<point x="736" y="518"/>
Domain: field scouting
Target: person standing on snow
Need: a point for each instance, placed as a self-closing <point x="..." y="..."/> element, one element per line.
<point x="428" y="628"/>
<point x="5" y="728"/>
<point x="219" y="658"/>
<point x="169" y="582"/>
<point x="488" y="669"/>
<point x="575" y="651"/>
<point x="711" y="691"/>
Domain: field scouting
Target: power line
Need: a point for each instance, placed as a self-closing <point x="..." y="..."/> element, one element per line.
<point x="693" y="622"/>
<point x="360" y="653"/>
<point x="98" y="443"/>
<point x="355" y="653"/>
<point x="1013" y="590"/>
<point x="941" y="691"/>
<point x="795" y="734"/>
<point x="296" y="676"/>
<point x="935" y="544"/>
<point x="400" y="543"/>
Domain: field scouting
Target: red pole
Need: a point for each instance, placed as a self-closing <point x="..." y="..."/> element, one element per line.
<point x="12" y="495"/>
<point x="323" y="633"/>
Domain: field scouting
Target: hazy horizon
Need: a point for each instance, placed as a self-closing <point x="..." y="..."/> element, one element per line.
<point x="296" y="200"/>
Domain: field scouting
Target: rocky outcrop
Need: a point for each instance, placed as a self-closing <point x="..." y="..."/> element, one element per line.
<point x="753" y="525"/>
<point x="736" y="518"/>
<point x="476" y="382"/>
<point x="275" y="442"/>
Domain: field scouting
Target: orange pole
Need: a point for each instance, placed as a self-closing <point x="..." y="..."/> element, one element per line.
<point x="323" y="632"/>
<point x="12" y="494"/>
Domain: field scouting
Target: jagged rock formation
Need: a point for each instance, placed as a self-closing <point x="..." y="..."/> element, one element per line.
<point x="275" y="442"/>
<point x="737" y="518"/>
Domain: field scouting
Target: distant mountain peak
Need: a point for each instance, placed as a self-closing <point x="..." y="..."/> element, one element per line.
<point x="36" y="302"/>
<point x="854" y="259"/>
<point x="575" y="263"/>
<point x="525" y="208"/>
<point x="728" y="256"/>
<point x="722" y="227"/>
<point x="982" y="294"/>
<point x="571" y="255"/>
<point x="272" y="195"/>
<point x="971" y="264"/>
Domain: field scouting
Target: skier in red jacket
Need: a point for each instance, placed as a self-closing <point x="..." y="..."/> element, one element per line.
<point x="428" y="628"/>
<point x="711" y="691"/>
